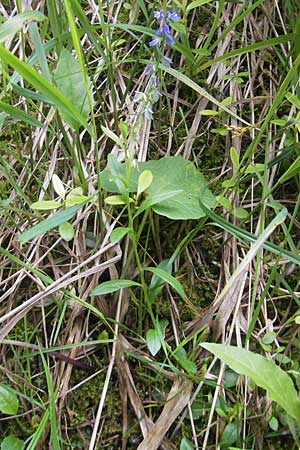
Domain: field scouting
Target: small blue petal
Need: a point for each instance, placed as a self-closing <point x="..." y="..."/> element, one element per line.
<point x="165" y="28"/>
<point x="148" y="113"/>
<point x="149" y="69"/>
<point x="159" y="15"/>
<point x="154" y="41"/>
<point x="167" y="61"/>
<point x="170" y="39"/>
<point x="173" y="16"/>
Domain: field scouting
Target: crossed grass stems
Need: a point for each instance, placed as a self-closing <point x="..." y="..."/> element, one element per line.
<point x="54" y="256"/>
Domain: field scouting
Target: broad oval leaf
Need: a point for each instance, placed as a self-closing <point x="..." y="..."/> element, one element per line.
<point x="112" y="286"/>
<point x="12" y="443"/>
<point x="168" y="278"/>
<point x="9" y="403"/>
<point x="66" y="230"/>
<point x="263" y="372"/>
<point x="153" y="341"/>
<point x="46" y="205"/>
<point x="175" y="196"/>
<point x="70" y="81"/>
<point x="145" y="180"/>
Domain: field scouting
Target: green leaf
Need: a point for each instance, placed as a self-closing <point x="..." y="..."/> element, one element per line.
<point x="292" y="98"/>
<point x="75" y="197"/>
<point x="185" y="444"/>
<point x="293" y="170"/>
<point x="118" y="233"/>
<point x="156" y="283"/>
<point x="279" y="122"/>
<point x="269" y="338"/>
<point x="115" y="200"/>
<point x="19" y="115"/>
<point x="240" y="213"/>
<point x="52" y="222"/>
<point x="9" y="403"/>
<point x="187" y="365"/>
<point x="178" y="26"/>
<point x="273" y="423"/>
<point x="112" y="286"/>
<point x="175" y="196"/>
<point x="154" y="200"/>
<point x="227" y="101"/>
<point x="230" y="379"/>
<point x="153" y="341"/>
<point x="225" y="202"/>
<point x="230" y="434"/>
<point x="43" y="86"/>
<point x="263" y="372"/>
<point x="234" y="158"/>
<point x="70" y="82"/>
<point x="196" y="4"/>
<point x="46" y="205"/>
<point x="168" y="278"/>
<point x="12" y="26"/>
<point x="66" y="230"/>
<point x="12" y="443"/>
<point x="58" y="186"/>
<point x="144" y="181"/>
<point x="252" y="168"/>
<point x="112" y="136"/>
<point x="209" y="112"/>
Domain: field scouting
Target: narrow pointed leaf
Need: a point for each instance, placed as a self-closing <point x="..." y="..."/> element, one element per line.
<point x="168" y="278"/>
<point x="113" y="286"/>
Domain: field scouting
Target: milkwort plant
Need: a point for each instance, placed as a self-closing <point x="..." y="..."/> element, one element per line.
<point x="163" y="38"/>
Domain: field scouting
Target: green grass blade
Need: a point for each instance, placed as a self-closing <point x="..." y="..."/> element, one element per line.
<point x="39" y="431"/>
<point x="19" y="115"/>
<point x="249" y="48"/>
<point x="40" y="51"/>
<point x="12" y="26"/>
<point x="52" y="395"/>
<point x="188" y="82"/>
<point x="245" y="235"/>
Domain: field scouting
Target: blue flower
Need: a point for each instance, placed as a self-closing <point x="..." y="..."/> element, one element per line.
<point x="166" y="61"/>
<point x="164" y="29"/>
<point x="169" y="39"/>
<point x="173" y="16"/>
<point x="149" y="69"/>
<point x="159" y="15"/>
<point x="155" y="41"/>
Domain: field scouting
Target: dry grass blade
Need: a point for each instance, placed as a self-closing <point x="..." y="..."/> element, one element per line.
<point x="177" y="400"/>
